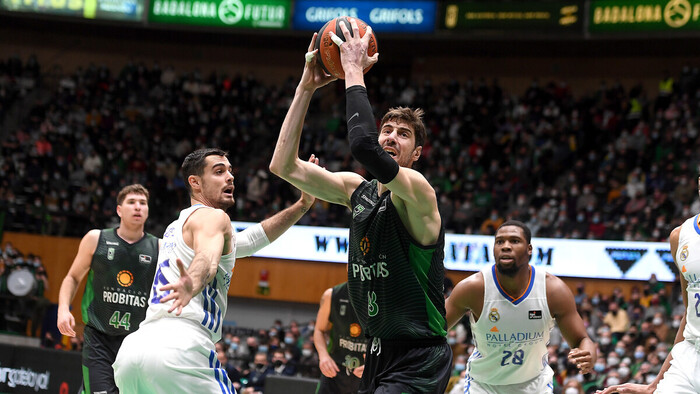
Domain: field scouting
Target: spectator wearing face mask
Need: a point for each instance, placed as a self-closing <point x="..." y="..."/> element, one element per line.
<point x="573" y="386"/>
<point x="258" y="372"/>
<point x="613" y="378"/>
<point x="624" y="371"/>
<point x="308" y="363"/>
<point x="605" y="340"/>
<point x="660" y="328"/>
<point x="617" y="319"/>
<point x="280" y="364"/>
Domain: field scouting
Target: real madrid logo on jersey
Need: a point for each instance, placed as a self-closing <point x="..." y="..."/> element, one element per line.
<point x="494" y="316"/>
<point x="684" y="253"/>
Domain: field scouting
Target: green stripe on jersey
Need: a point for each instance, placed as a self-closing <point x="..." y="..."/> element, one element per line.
<point x="420" y="259"/>
<point x="88" y="296"/>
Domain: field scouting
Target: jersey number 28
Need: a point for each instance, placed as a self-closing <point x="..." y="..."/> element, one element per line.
<point x="515" y="358"/>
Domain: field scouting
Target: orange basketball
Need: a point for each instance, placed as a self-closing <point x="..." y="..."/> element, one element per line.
<point x="329" y="52"/>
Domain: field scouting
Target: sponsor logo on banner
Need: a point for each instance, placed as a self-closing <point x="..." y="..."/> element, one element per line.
<point x="625" y="258"/>
<point x="24" y="377"/>
<point x="666" y="257"/>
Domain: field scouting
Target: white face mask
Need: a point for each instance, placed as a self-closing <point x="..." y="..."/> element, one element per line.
<point x="613" y="381"/>
<point x="571" y="390"/>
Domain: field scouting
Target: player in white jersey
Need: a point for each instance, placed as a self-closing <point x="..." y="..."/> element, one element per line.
<point x="173" y="353"/>
<point x="513" y="306"/>
<point x="680" y="372"/>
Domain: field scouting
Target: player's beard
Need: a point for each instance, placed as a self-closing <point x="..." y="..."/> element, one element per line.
<point x="507" y="271"/>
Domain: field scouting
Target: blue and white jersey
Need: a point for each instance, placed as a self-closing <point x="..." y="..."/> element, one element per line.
<point x="207" y="308"/>
<point x="688" y="261"/>
<point x="511" y="335"/>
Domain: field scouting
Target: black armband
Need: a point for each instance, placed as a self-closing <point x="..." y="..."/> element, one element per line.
<point x="363" y="137"/>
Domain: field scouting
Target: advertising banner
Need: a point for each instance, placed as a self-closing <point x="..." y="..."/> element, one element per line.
<point x="518" y="15"/>
<point x="616" y="16"/>
<point x="383" y="16"/>
<point x="562" y="257"/>
<point x="258" y="14"/>
<point x="128" y="10"/>
<point x="25" y="369"/>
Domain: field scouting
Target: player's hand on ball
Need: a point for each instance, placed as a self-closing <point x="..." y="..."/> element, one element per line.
<point x="314" y="77"/>
<point x="353" y="52"/>
<point x="582" y="359"/>
<point x="180" y="291"/>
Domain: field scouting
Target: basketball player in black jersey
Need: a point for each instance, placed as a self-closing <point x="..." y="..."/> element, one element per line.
<point x="396" y="271"/>
<point x="120" y="264"/>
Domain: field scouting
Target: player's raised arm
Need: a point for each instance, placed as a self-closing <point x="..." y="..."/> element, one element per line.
<point x="306" y="176"/>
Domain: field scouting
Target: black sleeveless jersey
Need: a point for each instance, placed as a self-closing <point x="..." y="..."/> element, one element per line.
<point x="119" y="283"/>
<point x="347" y="345"/>
<point x="395" y="284"/>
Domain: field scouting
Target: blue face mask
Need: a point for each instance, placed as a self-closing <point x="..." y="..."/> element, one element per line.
<point x="227" y="341"/>
<point x="599" y="367"/>
<point x="263" y="348"/>
<point x="234" y="346"/>
<point x="288" y="340"/>
<point x="620" y="351"/>
<point x="460" y="367"/>
<point x="639" y="355"/>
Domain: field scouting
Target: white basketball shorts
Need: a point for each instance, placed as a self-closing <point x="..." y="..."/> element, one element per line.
<point x="170" y="355"/>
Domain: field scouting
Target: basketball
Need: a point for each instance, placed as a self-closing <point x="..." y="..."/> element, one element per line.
<point x="329" y="53"/>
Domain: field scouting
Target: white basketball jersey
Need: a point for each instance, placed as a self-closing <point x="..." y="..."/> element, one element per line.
<point x="207" y="308"/>
<point x="511" y="335"/>
<point x="688" y="261"/>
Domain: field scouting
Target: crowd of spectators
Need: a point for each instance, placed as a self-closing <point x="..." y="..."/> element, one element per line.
<point x="611" y="164"/>
<point x="16" y="80"/>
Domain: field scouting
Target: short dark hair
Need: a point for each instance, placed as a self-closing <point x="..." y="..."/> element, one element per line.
<point x="412" y="117"/>
<point x="518" y="223"/>
<point x="135" y="189"/>
<point x="194" y="163"/>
